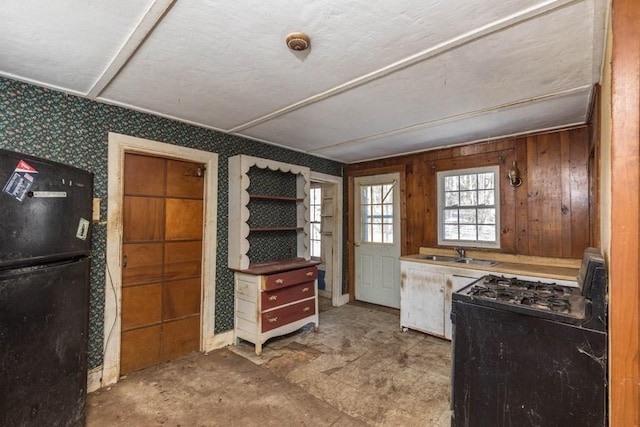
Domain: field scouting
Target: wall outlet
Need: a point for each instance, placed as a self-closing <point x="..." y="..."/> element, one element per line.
<point x="96" y="209"/>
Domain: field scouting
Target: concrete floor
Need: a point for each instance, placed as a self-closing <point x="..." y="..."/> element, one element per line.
<point x="358" y="369"/>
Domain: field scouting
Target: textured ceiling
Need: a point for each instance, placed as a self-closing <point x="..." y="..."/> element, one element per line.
<point x="381" y="78"/>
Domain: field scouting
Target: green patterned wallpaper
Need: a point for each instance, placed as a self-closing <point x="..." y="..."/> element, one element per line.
<point x="271" y="246"/>
<point x="74" y="130"/>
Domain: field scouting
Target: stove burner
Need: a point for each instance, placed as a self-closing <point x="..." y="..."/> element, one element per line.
<point x="502" y="282"/>
<point x="504" y="296"/>
<point x="485" y="293"/>
<point x="559" y="305"/>
<point x="531" y="300"/>
<point x="552" y="289"/>
<point x="491" y="293"/>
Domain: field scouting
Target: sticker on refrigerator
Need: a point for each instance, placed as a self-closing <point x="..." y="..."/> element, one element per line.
<point x="83" y="229"/>
<point x="21" y="180"/>
<point x="48" y="194"/>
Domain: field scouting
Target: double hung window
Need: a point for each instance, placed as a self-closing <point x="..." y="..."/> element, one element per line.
<point x="469" y="207"/>
<point x="315" y="207"/>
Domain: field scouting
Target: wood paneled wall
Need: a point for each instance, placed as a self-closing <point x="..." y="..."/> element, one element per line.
<point x="547" y="216"/>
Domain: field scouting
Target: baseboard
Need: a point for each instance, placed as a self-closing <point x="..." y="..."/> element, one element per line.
<point x="324" y="293"/>
<point x="220" y="340"/>
<point x="94" y="379"/>
<point x="340" y="300"/>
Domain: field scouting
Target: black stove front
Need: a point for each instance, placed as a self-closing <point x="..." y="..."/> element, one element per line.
<point x="529" y="353"/>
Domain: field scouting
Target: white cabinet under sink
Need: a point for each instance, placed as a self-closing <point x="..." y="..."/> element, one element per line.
<point x="425" y="295"/>
<point x="422" y="299"/>
<point x="457" y="282"/>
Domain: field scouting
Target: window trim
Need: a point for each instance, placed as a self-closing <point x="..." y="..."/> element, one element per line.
<point x="440" y="176"/>
<point x="311" y="239"/>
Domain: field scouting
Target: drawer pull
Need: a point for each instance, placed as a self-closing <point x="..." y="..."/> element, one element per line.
<point x="309" y="273"/>
<point x="305" y="289"/>
<point x="273" y="297"/>
<point x="306" y="309"/>
<point x="279" y="281"/>
<point x="273" y="320"/>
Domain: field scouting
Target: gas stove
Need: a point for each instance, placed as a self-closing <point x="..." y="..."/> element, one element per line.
<point x="531" y="353"/>
<point x="546" y="299"/>
<point x="584" y="305"/>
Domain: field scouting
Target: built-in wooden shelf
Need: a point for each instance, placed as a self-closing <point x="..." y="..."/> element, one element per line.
<point x="289" y="206"/>
<point x="271" y="267"/>
<point x="276" y="229"/>
<point x="278" y="198"/>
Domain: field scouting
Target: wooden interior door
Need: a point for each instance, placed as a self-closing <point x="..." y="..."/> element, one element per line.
<point x="162" y="259"/>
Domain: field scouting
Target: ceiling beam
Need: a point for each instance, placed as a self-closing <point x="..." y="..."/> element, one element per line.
<point x="493" y="27"/>
<point x="157" y="9"/>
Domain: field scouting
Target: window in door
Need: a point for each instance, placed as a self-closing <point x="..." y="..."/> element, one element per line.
<point x="376" y="203"/>
<point x="469" y="207"/>
<point x="315" y="207"/>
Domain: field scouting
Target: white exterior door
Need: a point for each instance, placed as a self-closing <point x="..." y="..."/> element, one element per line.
<point x="377" y="239"/>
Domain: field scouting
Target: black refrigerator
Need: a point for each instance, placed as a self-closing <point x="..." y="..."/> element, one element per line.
<point x="45" y="241"/>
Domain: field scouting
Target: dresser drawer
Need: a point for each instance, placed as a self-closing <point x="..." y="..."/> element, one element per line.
<point x="288" y="278"/>
<point x="247" y="310"/>
<point x="285" y="315"/>
<point x="271" y="299"/>
<point x="246" y="289"/>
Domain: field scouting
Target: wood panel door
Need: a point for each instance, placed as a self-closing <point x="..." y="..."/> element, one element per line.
<point x="162" y="259"/>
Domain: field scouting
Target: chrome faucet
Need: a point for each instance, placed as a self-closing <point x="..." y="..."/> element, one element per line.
<point x="461" y="252"/>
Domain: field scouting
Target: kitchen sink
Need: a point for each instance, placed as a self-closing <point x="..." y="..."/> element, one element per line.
<point x="476" y="262"/>
<point x="442" y="258"/>
<point x="458" y="260"/>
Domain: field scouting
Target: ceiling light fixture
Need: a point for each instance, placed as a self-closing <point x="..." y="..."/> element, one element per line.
<point x="298" y="41"/>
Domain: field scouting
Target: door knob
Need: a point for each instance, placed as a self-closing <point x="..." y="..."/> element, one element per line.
<point x="356" y="244"/>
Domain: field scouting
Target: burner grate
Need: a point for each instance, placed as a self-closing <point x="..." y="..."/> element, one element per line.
<point x="537" y="295"/>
